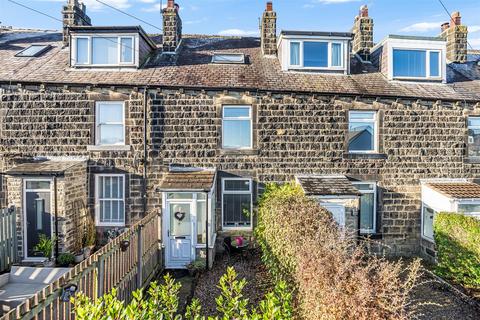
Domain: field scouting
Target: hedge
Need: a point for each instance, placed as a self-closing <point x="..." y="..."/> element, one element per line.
<point x="457" y="239"/>
<point x="330" y="275"/>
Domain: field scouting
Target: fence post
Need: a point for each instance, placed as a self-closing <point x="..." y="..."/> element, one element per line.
<point x="100" y="276"/>
<point x="140" y="256"/>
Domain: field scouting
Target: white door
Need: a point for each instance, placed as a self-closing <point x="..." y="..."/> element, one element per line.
<point x="179" y="235"/>
<point x="337" y="211"/>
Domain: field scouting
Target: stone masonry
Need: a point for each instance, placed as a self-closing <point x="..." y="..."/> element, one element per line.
<point x="268" y="30"/>
<point x="74" y="14"/>
<point x="363" y="34"/>
<point x="172" y="27"/>
<point x="456" y="35"/>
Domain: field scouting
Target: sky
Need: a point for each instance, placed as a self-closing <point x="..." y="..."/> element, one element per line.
<point x="241" y="17"/>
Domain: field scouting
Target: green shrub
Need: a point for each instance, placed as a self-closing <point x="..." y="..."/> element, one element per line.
<point x="457" y="238"/>
<point x="161" y="303"/>
<point x="45" y="245"/>
<point x="66" y="259"/>
<point x="331" y="276"/>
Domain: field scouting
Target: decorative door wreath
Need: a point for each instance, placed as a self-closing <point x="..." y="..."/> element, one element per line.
<point x="180" y="215"/>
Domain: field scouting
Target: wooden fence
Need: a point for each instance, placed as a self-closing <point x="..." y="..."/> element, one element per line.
<point x="128" y="262"/>
<point x="8" y="239"/>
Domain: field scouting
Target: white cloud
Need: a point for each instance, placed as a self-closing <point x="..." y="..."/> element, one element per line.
<point x="238" y="32"/>
<point x="422" y="27"/>
<point x="472" y="29"/>
<point x="154" y="8"/>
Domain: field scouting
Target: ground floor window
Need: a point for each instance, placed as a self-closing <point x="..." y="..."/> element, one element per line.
<point x="110" y="199"/>
<point x="237" y="202"/>
<point x="428" y="215"/>
<point x="368" y="208"/>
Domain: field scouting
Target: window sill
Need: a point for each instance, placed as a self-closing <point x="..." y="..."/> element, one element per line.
<point x="252" y="152"/>
<point x="349" y="155"/>
<point x="109" y="148"/>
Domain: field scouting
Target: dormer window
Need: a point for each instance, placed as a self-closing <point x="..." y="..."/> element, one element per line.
<point x="315" y="51"/>
<point x="411" y="58"/>
<point x="104" y="51"/>
<point x="109" y="47"/>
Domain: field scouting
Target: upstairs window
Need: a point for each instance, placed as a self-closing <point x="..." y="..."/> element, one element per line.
<point x="228" y="58"/>
<point x="110" y="123"/>
<point x="474" y="136"/>
<point x="409" y="63"/>
<point x="34" y="50"/>
<point x="104" y="51"/>
<point x="362" y="132"/>
<point x="317" y="54"/>
<point x="237" y="127"/>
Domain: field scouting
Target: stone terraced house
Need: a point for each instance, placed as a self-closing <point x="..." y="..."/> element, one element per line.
<point x="113" y="123"/>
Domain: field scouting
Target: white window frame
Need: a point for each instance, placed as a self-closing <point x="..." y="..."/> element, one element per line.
<point x="424" y="206"/>
<point x="98" y="104"/>
<point x="250" y="191"/>
<point x="375" y="128"/>
<point x="97" y="201"/>
<point x="374" y="192"/>
<point x="90" y="63"/>
<point x="24" y="216"/>
<point x="302" y="62"/>
<point x="249" y="118"/>
<point x="427" y="67"/>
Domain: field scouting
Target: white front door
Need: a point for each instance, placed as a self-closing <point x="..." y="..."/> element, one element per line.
<point x="179" y="224"/>
<point x="337" y="211"/>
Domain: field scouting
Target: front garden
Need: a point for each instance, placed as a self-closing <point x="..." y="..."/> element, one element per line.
<point x="306" y="268"/>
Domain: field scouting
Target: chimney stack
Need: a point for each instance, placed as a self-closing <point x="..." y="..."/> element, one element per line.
<point x="74" y="14"/>
<point x="268" y="31"/>
<point x="456" y="36"/>
<point x="172" y="27"/>
<point x="363" y="34"/>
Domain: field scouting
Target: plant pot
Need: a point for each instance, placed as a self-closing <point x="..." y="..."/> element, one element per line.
<point x="79" y="257"/>
<point x="87" y="251"/>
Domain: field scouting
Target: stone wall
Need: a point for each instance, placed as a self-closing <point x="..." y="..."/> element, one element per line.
<point x="62" y="124"/>
<point x="307" y="134"/>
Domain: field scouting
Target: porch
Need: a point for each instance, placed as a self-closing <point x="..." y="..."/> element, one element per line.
<point x="188" y="206"/>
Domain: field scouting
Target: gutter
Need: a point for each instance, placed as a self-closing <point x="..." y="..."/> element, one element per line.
<point x="198" y="88"/>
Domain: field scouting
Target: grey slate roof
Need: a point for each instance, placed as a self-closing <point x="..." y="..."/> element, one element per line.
<point x="187" y="180"/>
<point x="193" y="69"/>
<point x="42" y="168"/>
<point x="327" y="186"/>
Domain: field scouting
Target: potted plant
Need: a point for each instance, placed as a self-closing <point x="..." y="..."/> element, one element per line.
<point x="89" y="237"/>
<point x="45" y="246"/>
<point x="195" y="266"/>
<point x="79" y="256"/>
<point x="66" y="259"/>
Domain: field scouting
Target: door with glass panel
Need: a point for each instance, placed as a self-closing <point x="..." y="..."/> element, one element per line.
<point x="38" y="215"/>
<point x="179" y="234"/>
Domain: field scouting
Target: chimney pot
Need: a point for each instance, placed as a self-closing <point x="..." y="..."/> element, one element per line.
<point x="445" y="26"/>
<point x="364" y="11"/>
<point x="269" y="6"/>
<point x="456" y="19"/>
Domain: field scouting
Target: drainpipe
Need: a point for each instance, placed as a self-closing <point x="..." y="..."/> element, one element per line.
<point x="57" y="250"/>
<point x="145" y="151"/>
<point x="206" y="232"/>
